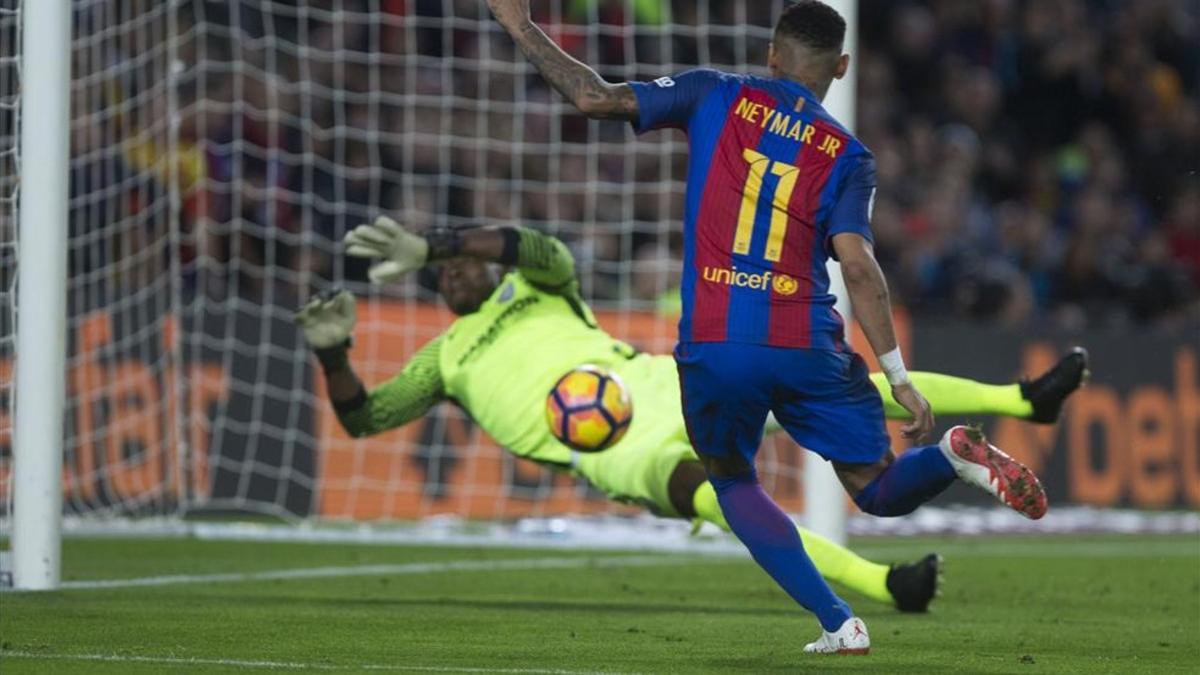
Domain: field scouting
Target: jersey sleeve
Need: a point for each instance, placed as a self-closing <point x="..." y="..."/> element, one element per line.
<point x="545" y="262"/>
<point x="401" y="399"/>
<point x="670" y="101"/>
<point x="851" y="213"/>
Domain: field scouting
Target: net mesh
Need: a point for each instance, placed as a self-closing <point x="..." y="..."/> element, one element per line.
<point x="10" y="19"/>
<point x="220" y="150"/>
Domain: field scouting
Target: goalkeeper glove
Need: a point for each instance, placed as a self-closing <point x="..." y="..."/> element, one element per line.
<point x="400" y="250"/>
<point x="328" y="321"/>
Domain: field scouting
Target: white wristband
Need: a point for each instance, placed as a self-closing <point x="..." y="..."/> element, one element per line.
<point x="892" y="364"/>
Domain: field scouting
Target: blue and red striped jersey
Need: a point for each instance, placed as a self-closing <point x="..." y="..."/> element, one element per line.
<point x="771" y="178"/>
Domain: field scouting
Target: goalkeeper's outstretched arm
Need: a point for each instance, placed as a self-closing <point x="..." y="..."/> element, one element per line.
<point x="576" y="81"/>
<point x="400" y="400"/>
<point x="328" y="324"/>
<point x="543" y="260"/>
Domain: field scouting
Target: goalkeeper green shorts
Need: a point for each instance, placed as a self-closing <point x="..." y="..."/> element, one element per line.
<point x="637" y="469"/>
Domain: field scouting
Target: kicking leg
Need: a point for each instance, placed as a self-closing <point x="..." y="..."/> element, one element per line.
<point x="894" y="487"/>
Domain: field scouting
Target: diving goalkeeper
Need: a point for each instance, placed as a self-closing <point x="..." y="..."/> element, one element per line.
<point x="516" y="334"/>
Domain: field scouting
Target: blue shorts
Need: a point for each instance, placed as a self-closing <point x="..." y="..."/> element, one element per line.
<point x="823" y="399"/>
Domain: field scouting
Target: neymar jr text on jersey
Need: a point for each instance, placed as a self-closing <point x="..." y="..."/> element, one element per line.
<point x="783" y="124"/>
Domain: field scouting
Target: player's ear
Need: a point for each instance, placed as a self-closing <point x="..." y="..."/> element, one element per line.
<point x="772" y="57"/>
<point x="843" y="65"/>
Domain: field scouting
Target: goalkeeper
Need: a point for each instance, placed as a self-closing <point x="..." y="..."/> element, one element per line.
<point x="518" y="333"/>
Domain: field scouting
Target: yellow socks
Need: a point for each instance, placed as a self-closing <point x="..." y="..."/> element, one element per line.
<point x="835" y="563"/>
<point x="949" y="395"/>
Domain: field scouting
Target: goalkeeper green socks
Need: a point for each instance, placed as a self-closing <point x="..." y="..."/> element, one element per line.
<point x="948" y="395"/>
<point x="834" y="562"/>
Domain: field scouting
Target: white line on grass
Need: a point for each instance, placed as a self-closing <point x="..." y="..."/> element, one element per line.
<point x="1045" y="547"/>
<point x="393" y="569"/>
<point x="281" y="665"/>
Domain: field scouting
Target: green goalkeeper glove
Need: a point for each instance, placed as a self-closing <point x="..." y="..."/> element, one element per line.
<point x="400" y="250"/>
<point x="328" y="321"/>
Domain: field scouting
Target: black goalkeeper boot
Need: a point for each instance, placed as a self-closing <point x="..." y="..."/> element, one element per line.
<point x="1048" y="392"/>
<point x="913" y="586"/>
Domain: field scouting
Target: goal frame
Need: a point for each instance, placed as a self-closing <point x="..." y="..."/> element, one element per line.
<point x="41" y="284"/>
<point x="40" y="372"/>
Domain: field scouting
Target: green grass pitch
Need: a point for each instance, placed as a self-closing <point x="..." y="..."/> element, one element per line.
<point x="1111" y="604"/>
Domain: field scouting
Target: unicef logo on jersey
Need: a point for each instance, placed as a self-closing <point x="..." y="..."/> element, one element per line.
<point x="665" y="82"/>
<point x="506" y="293"/>
<point x="781" y="284"/>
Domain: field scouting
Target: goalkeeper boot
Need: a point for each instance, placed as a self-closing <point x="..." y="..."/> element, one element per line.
<point x="1047" y="393"/>
<point x="988" y="468"/>
<point x="914" y="585"/>
<point x="851" y="638"/>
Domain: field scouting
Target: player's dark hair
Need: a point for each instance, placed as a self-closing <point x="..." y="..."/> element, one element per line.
<point x="813" y="24"/>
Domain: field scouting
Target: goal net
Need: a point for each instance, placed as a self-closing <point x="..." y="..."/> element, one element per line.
<point x="9" y="129"/>
<point x="220" y="151"/>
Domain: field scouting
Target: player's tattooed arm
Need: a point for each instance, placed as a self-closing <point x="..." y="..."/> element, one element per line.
<point x="575" y="80"/>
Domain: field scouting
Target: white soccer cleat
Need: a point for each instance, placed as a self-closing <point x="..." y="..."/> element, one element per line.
<point x="851" y="638"/>
<point x="988" y="468"/>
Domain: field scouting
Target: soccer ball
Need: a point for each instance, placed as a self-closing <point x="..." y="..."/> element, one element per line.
<point x="589" y="409"/>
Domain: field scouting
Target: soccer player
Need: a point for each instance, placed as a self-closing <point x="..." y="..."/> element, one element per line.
<point x="517" y="334"/>
<point x="776" y="187"/>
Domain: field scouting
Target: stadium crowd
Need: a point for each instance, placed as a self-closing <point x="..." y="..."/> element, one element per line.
<point x="1036" y="156"/>
<point x="1036" y="160"/>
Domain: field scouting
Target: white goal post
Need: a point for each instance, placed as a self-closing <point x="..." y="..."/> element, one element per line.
<point x="42" y="294"/>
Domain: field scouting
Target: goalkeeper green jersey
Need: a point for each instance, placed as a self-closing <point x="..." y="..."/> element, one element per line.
<point x="500" y="362"/>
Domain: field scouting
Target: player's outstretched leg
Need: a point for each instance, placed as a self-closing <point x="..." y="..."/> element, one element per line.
<point x="1039" y="400"/>
<point x="951" y="395"/>
<point x="898" y="487"/>
<point x="988" y="468"/>
<point x="910" y="587"/>
<point x="920" y="474"/>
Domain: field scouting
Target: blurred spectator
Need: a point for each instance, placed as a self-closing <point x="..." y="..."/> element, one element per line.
<point x="1036" y="156"/>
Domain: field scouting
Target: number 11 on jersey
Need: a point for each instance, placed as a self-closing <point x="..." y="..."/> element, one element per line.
<point x="788" y="173"/>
